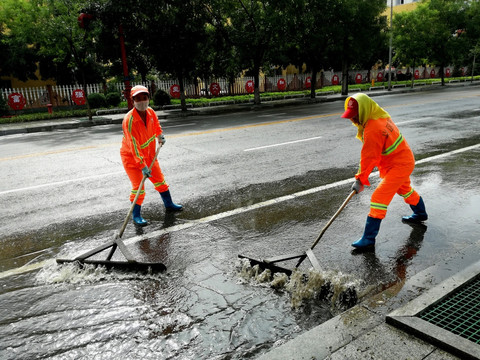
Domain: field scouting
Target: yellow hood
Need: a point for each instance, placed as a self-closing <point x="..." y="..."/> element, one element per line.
<point x="367" y="110"/>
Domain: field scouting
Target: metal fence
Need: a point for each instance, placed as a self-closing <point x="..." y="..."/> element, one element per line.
<point x="61" y="95"/>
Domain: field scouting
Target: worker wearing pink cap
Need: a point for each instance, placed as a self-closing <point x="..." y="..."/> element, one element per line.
<point x="141" y="130"/>
<point x="383" y="147"/>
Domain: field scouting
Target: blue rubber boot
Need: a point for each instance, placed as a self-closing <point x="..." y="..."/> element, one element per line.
<point x="169" y="204"/>
<point x="372" y="227"/>
<point x="419" y="213"/>
<point x="137" y="218"/>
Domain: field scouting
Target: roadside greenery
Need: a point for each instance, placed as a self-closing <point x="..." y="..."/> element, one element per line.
<point x="60" y="113"/>
<point x="208" y="39"/>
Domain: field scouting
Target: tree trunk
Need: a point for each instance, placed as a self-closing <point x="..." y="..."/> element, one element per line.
<point x="442" y="74"/>
<point x="413" y="74"/>
<point x="183" y="103"/>
<point x="344" y="77"/>
<point x="84" y="84"/>
<point x="313" y="82"/>
<point x="256" y="92"/>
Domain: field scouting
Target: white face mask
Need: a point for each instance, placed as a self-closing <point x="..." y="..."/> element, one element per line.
<point x="141" y="105"/>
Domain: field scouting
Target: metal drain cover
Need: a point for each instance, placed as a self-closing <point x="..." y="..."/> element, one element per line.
<point x="447" y="315"/>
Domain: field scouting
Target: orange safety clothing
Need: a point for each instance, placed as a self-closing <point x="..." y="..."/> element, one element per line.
<point x="138" y="151"/>
<point x="383" y="147"/>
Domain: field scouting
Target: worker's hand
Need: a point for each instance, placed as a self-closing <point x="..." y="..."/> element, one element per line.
<point x="357" y="186"/>
<point x="161" y="139"/>
<point x="146" y="172"/>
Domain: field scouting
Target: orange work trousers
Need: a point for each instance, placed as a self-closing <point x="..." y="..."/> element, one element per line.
<point x="135" y="175"/>
<point x="395" y="180"/>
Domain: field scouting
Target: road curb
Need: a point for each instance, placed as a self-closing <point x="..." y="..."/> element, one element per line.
<point x="116" y="116"/>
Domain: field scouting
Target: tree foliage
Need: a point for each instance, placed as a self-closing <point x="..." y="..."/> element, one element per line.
<point x="18" y="50"/>
<point x="190" y="39"/>
<point x="439" y="32"/>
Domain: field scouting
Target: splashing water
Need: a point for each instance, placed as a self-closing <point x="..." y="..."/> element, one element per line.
<point x="332" y="286"/>
<point x="73" y="273"/>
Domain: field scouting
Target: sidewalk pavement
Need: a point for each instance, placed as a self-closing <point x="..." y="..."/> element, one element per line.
<point x="105" y="117"/>
<point x="361" y="332"/>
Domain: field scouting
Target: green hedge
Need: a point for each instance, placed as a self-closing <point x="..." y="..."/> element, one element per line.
<point x="161" y="98"/>
<point x="96" y="101"/>
<point x="113" y="99"/>
<point x="3" y="106"/>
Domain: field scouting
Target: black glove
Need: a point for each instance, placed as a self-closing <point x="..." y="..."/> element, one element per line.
<point x="357" y="186"/>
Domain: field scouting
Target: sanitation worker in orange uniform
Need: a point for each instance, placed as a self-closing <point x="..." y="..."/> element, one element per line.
<point x="141" y="131"/>
<point x="385" y="148"/>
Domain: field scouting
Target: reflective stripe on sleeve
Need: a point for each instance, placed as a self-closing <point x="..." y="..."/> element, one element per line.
<point x="148" y="142"/>
<point x="394" y="146"/>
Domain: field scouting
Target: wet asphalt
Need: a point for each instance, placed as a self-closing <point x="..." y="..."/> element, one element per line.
<point x="407" y="260"/>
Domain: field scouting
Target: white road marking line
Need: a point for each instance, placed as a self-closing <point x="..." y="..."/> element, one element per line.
<point x="155" y="234"/>
<point x="60" y="183"/>
<point x="414" y="120"/>
<point x="281" y="144"/>
<point x="173" y="126"/>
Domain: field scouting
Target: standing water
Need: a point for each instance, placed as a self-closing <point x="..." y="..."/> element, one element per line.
<point x="208" y="305"/>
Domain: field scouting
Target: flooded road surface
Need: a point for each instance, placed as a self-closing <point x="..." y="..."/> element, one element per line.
<point x="202" y="308"/>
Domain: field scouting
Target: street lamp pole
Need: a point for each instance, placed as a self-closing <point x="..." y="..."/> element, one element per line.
<point x="390" y="48"/>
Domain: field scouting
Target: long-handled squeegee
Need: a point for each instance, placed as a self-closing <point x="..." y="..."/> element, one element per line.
<point x="130" y="264"/>
<point x="271" y="263"/>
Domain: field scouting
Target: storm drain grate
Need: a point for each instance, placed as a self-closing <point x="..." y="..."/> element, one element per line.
<point x="458" y="313"/>
<point x="447" y="315"/>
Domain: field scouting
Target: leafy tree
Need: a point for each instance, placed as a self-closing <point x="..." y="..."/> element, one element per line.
<point x="61" y="39"/>
<point x="133" y="18"/>
<point x="472" y="35"/>
<point x="408" y="40"/>
<point x="223" y="53"/>
<point x="311" y="34"/>
<point x="444" y="19"/>
<point x="175" y="33"/>
<point x="359" y="34"/>
<point x="253" y="28"/>
<point x="18" y="53"/>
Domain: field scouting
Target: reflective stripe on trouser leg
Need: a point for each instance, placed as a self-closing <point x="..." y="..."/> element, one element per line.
<point x="410" y="196"/>
<point x="158" y="179"/>
<point x="392" y="180"/>
<point x="135" y="175"/>
<point x="377" y="210"/>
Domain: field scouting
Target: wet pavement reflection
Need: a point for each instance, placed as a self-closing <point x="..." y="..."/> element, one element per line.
<point x="201" y="308"/>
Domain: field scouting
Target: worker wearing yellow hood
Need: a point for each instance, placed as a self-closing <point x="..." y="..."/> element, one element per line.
<point x="383" y="147"/>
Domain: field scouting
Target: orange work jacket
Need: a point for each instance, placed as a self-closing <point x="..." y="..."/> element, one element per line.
<point x="383" y="147"/>
<point x="139" y="138"/>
